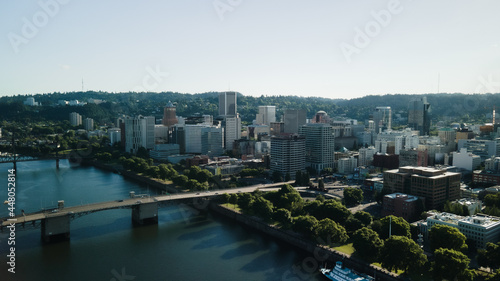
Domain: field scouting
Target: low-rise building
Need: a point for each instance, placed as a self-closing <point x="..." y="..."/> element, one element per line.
<point x="466" y="160"/>
<point x="401" y="205"/>
<point x="479" y="228"/>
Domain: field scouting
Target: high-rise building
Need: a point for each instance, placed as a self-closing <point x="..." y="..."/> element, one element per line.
<point x="114" y="135"/>
<point x="169" y="115"/>
<point x="193" y="137"/>
<point x="88" y="124"/>
<point x="75" y="119"/>
<point x="266" y="115"/>
<point x="436" y="186"/>
<point x="347" y="165"/>
<point x="232" y="130"/>
<point x="382" y="118"/>
<point x="366" y="156"/>
<point x="211" y="141"/>
<point x="320" y="145"/>
<point x="288" y="155"/>
<point x="227" y="104"/>
<point x="293" y="119"/>
<point x="139" y="132"/>
<point x="418" y="116"/>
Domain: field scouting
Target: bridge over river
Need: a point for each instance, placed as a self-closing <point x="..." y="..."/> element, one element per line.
<point x="55" y="223"/>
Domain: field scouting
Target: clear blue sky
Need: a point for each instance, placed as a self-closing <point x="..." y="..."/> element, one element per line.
<point x="257" y="47"/>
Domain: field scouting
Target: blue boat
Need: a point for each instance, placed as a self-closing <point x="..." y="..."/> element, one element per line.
<point x="342" y="273"/>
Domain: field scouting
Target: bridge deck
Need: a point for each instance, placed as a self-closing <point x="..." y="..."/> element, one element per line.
<point x="128" y="203"/>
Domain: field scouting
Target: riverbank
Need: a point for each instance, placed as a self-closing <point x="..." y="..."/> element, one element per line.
<point x="319" y="254"/>
<point x="154" y="183"/>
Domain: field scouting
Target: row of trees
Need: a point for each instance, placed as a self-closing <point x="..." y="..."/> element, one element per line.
<point x="193" y="178"/>
<point x="387" y="240"/>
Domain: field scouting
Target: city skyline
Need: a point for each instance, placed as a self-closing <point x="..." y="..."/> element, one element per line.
<point x="322" y="49"/>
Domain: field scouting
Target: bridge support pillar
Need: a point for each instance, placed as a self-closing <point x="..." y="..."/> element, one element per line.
<point x="145" y="213"/>
<point x="55" y="228"/>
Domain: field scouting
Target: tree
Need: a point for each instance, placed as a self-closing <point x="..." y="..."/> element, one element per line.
<point x="402" y="253"/>
<point x="451" y="265"/>
<point x="352" y="224"/>
<point x="490" y="256"/>
<point x="364" y="217"/>
<point x="448" y="237"/>
<point x="398" y="227"/>
<point x="245" y="201"/>
<point x="233" y="198"/>
<point x="367" y="244"/>
<point x="263" y="208"/>
<point x="495" y="276"/>
<point x="321" y="184"/>
<point x="334" y="210"/>
<point x="305" y="225"/>
<point x="277" y="177"/>
<point x="283" y="216"/>
<point x="204" y="175"/>
<point x="225" y="198"/>
<point x="353" y="196"/>
<point x="330" y="232"/>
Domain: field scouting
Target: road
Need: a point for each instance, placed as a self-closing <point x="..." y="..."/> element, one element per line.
<point x="129" y="202"/>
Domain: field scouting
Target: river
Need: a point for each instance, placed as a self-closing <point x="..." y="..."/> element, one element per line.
<point x="185" y="245"/>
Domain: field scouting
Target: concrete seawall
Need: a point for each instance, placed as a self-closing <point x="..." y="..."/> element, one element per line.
<point x="319" y="254"/>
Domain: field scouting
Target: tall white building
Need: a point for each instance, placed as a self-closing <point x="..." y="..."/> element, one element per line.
<point x="366" y="156"/>
<point x="139" y="132"/>
<point x="114" y="135"/>
<point x="320" y="145"/>
<point x="232" y="130"/>
<point x="75" y="119"/>
<point x="382" y="117"/>
<point x="466" y="160"/>
<point x="266" y="115"/>
<point x="347" y="165"/>
<point x="88" y="124"/>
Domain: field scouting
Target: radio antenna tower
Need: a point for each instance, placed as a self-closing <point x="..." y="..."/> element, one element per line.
<point x="82" y="84"/>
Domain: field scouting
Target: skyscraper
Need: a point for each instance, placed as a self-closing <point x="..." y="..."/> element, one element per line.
<point x="232" y="130"/>
<point x="169" y="112"/>
<point x="88" y="124"/>
<point x="320" y="145"/>
<point x="418" y="116"/>
<point x="75" y="119"/>
<point x="139" y="132"/>
<point x="266" y="115"/>
<point x="227" y="104"/>
<point x="382" y="117"/>
<point x="293" y="119"/>
<point x="288" y="155"/>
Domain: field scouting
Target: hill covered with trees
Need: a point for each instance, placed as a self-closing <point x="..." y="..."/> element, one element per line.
<point x="451" y="107"/>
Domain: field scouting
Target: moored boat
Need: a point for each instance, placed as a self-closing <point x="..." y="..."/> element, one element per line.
<point x="342" y="273"/>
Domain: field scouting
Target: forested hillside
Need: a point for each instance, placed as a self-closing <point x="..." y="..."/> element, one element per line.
<point x="451" y="107"/>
